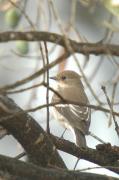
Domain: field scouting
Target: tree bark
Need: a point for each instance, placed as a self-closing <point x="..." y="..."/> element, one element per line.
<point x="18" y="170"/>
<point x="29" y="134"/>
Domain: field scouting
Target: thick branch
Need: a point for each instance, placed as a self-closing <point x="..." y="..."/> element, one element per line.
<point x="103" y="157"/>
<point x="84" y="48"/>
<point x="26" y="171"/>
<point x="40" y="148"/>
<point x="31" y="136"/>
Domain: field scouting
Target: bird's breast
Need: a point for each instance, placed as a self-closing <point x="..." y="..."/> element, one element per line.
<point x="73" y="94"/>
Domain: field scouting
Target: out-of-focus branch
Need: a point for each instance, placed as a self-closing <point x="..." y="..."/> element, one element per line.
<point x="34" y="75"/>
<point x="84" y="48"/>
<point x="15" y="169"/>
<point x="111" y="110"/>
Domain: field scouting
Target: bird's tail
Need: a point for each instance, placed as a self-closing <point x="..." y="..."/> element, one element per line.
<point x="80" y="138"/>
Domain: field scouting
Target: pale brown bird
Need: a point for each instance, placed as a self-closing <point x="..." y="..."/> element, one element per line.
<point x="74" y="117"/>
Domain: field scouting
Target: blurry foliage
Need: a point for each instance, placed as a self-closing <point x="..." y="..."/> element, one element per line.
<point x="112" y="6"/>
<point x="12" y="17"/>
<point x="22" y="47"/>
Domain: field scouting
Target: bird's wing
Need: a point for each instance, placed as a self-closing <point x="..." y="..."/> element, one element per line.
<point x="77" y="116"/>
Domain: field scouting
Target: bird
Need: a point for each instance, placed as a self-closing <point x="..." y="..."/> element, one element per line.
<point x="72" y="116"/>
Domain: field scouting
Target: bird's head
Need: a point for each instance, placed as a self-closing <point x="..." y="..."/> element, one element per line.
<point x="67" y="77"/>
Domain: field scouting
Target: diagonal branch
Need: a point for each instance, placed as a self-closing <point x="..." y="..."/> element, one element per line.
<point x="31" y="136"/>
<point x="40" y="148"/>
<point x="34" y="75"/>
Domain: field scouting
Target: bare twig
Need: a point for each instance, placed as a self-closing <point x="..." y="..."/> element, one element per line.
<point x="34" y="75"/>
<point x="76" y="163"/>
<point x="96" y="167"/>
<point x="98" y="108"/>
<point x="47" y="93"/>
<point x="20" y="155"/>
<point x="97" y="138"/>
<point x="25" y="89"/>
<point x="112" y="103"/>
<point x="63" y="133"/>
<point x="71" y="49"/>
<point x="111" y="110"/>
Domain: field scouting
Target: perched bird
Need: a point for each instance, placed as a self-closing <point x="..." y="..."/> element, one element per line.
<point x="74" y="117"/>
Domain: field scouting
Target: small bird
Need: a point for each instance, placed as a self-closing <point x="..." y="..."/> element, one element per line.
<point x="74" y="117"/>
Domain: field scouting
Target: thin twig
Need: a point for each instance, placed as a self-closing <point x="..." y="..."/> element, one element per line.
<point x="57" y="103"/>
<point x="71" y="49"/>
<point x="112" y="103"/>
<point x="111" y="110"/>
<point x="34" y="75"/>
<point x="23" y="12"/>
<point x="94" y="136"/>
<point x="77" y="161"/>
<point x="20" y="155"/>
<point x="47" y="92"/>
<point x="25" y="89"/>
<point x="98" y="108"/>
<point x="97" y="138"/>
<point x="96" y="167"/>
<point x="63" y="133"/>
<point x="43" y="58"/>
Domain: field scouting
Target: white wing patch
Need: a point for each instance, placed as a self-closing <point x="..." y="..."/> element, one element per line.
<point x="81" y="112"/>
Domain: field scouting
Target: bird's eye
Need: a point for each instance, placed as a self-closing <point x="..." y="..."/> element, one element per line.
<point x="63" y="77"/>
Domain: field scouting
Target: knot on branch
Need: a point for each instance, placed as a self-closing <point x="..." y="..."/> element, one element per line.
<point x="111" y="151"/>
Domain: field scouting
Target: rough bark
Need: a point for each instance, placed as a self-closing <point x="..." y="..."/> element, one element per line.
<point x="30" y="135"/>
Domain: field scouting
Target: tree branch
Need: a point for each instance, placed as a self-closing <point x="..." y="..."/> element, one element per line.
<point x="34" y="75"/>
<point x="39" y="146"/>
<point x="103" y="155"/>
<point x="84" y="48"/>
<point x="26" y="171"/>
<point x="31" y="136"/>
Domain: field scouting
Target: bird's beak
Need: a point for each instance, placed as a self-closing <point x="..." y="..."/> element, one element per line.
<point x="54" y="78"/>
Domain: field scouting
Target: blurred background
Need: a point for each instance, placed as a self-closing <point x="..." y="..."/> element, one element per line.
<point x="93" y="21"/>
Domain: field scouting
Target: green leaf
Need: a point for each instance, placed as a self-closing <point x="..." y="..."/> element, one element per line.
<point x="12" y="17"/>
<point x="22" y="47"/>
